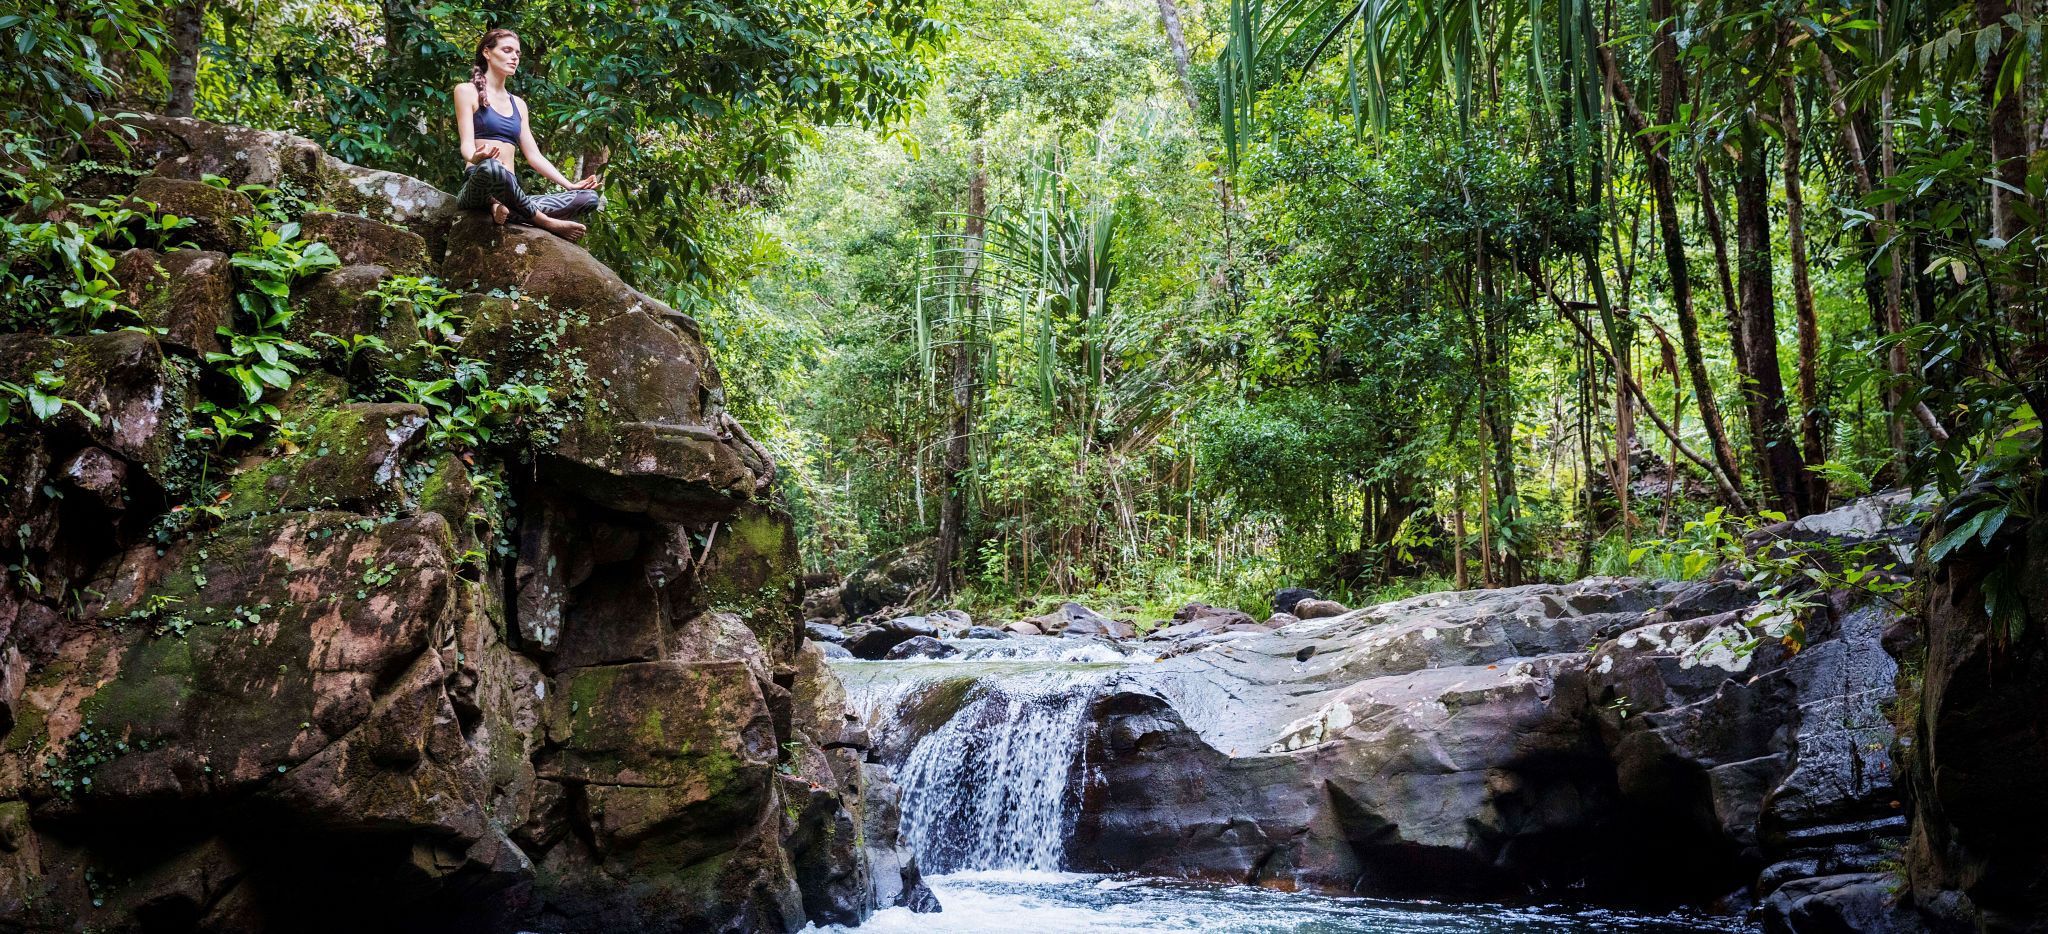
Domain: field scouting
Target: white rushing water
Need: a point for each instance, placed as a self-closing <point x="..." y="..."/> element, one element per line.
<point x="988" y="790"/>
<point x="1074" y="903"/>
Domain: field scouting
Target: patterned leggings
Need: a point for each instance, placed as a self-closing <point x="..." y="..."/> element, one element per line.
<point x="490" y="181"/>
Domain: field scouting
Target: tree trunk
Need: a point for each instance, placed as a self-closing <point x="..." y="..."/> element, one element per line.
<point x="187" y="26"/>
<point x="1495" y="406"/>
<point x="1814" y="485"/>
<point x="1656" y="157"/>
<point x="1758" y="325"/>
<point x="951" y="546"/>
<point x="2005" y="110"/>
<point x="1459" y="572"/>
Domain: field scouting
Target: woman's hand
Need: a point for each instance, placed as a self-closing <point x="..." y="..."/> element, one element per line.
<point x="481" y="152"/>
<point x="589" y="183"/>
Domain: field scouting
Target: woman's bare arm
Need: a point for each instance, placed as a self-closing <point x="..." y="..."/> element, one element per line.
<point x="540" y="163"/>
<point x="465" y="125"/>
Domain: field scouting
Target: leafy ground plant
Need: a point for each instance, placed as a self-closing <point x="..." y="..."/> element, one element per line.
<point x="1792" y="579"/>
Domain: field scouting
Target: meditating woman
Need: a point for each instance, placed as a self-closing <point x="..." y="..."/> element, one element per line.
<point x="492" y="121"/>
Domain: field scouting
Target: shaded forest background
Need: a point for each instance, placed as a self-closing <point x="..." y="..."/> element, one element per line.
<point x="1155" y="301"/>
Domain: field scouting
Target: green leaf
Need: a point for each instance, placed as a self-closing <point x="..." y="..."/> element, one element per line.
<point x="1956" y="537"/>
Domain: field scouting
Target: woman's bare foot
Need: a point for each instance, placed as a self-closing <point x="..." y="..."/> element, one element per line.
<point x="500" y="214"/>
<point x="567" y="230"/>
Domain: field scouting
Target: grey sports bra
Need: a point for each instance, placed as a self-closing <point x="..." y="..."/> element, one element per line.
<point x="493" y="125"/>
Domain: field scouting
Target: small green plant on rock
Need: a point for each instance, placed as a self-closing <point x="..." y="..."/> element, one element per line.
<point x="69" y="769"/>
<point x="40" y="395"/>
<point x="1792" y="579"/>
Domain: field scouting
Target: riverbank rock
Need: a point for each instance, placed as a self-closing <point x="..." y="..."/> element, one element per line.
<point x="1978" y="754"/>
<point x="1319" y="609"/>
<point x="1612" y="739"/>
<point x="921" y="647"/>
<point x="874" y="640"/>
<point x="886" y="581"/>
<point x="354" y="675"/>
<point x="951" y="623"/>
<point x="818" y="630"/>
<point x="1285" y="599"/>
<point x="1073" y="619"/>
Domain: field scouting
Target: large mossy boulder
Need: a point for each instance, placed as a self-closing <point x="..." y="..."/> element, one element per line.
<point x="886" y="580"/>
<point x="130" y="398"/>
<point x="219" y="216"/>
<point x="323" y="665"/>
<point x="188" y="294"/>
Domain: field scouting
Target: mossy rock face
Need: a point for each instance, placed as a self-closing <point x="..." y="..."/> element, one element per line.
<point x="350" y="457"/>
<point x="20" y="859"/>
<point x="510" y="258"/>
<point x="250" y="649"/>
<point x="446" y="489"/>
<point x="360" y="241"/>
<point x="528" y="697"/>
<point x="183" y="148"/>
<point x="219" y="215"/>
<point x="647" y="434"/>
<point x="189" y="294"/>
<point x="886" y="580"/>
<point x="338" y="304"/>
<point x="141" y="400"/>
<point x="390" y="197"/>
<point x="672" y="752"/>
<point x="751" y="570"/>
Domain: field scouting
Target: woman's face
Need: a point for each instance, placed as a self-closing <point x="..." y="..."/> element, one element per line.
<point x="504" y="57"/>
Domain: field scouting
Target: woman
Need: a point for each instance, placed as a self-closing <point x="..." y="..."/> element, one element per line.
<point x="491" y="122"/>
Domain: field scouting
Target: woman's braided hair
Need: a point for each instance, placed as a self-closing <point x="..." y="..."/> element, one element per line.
<point x="477" y="68"/>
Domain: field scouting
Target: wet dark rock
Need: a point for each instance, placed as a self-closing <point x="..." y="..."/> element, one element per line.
<point x="921" y="647"/>
<point x="1977" y="753"/>
<point x="919" y="898"/>
<point x="1856" y="903"/>
<point x="833" y="650"/>
<point x="1285" y="598"/>
<point x="1073" y="619"/>
<point x="874" y="640"/>
<point x="821" y="631"/>
<point x="985" y="632"/>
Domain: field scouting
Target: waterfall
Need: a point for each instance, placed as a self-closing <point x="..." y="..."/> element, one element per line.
<point x="988" y="790"/>
<point x="989" y="786"/>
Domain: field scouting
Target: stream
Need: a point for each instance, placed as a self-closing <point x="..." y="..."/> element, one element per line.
<point x="988" y="747"/>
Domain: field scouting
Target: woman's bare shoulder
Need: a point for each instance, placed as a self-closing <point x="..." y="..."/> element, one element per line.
<point x="465" y="92"/>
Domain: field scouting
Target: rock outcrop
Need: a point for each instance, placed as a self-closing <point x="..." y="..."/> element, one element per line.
<point x="360" y="674"/>
<point x="1979" y="752"/>
<point x="1615" y="740"/>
